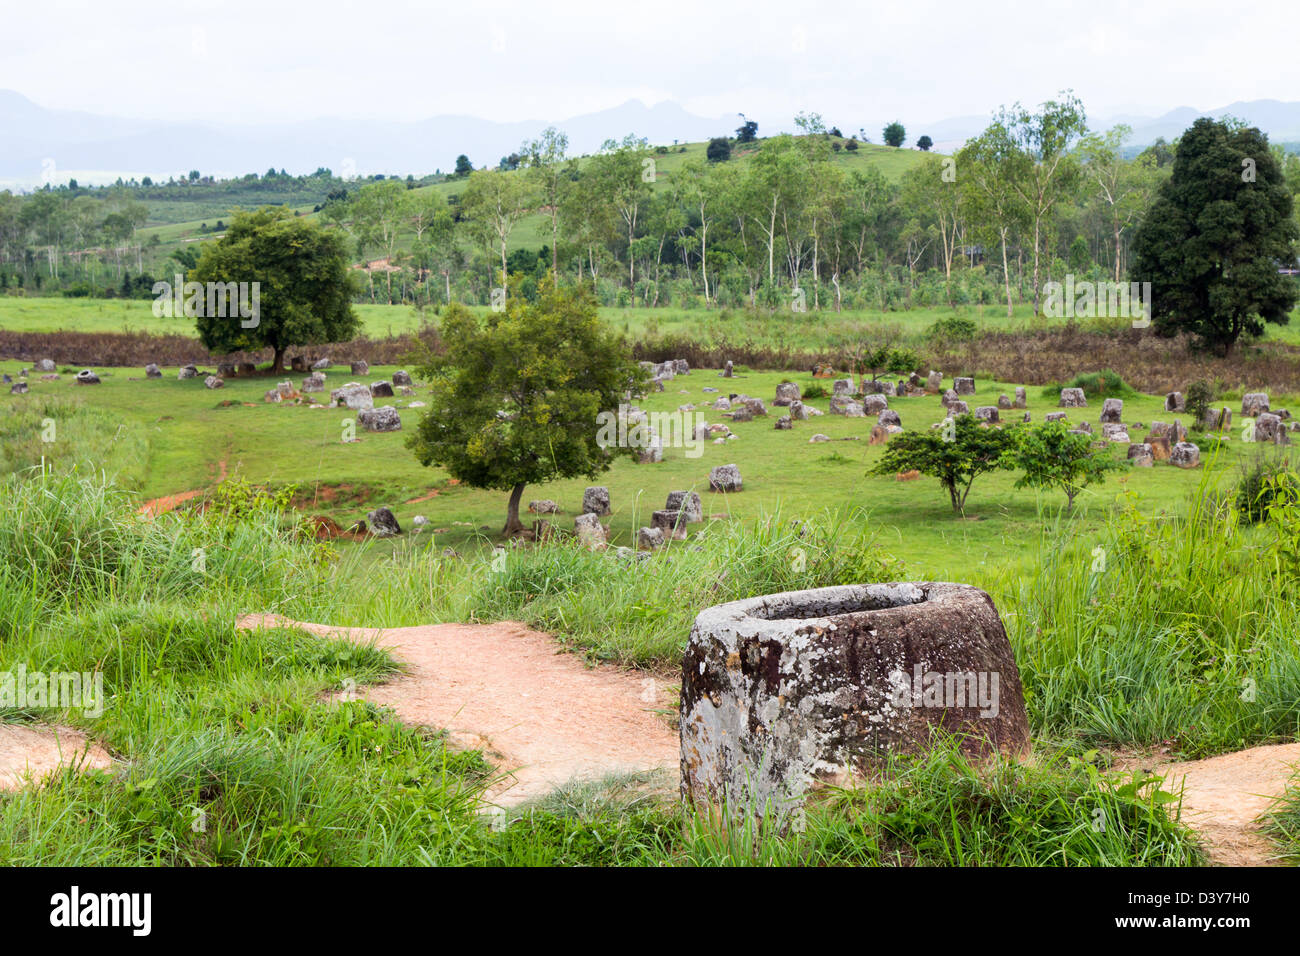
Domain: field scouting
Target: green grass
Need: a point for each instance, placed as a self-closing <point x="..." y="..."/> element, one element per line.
<point x="192" y="436"/>
<point x="232" y="757"/>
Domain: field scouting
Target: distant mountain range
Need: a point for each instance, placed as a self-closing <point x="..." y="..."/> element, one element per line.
<point x="42" y="144"/>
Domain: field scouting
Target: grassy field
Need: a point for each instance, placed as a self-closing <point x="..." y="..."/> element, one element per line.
<point x="195" y="436"/>
<point x="809" y="330"/>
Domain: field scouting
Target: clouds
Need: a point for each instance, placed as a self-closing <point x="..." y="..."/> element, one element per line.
<point x="216" y="60"/>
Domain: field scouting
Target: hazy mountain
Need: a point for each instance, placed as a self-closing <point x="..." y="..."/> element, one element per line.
<point x="42" y="143"/>
<point x="83" y="143"/>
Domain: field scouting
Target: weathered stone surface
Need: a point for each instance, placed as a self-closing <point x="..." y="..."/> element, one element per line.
<point x="286" y="389"/>
<point x="213" y="382"/>
<point x="1028" y="417"/>
<point x="87" y="377"/>
<point x="45" y="365"/>
<point x="987" y="413"/>
<point x="18" y="388"/>
<point x="1113" y="432"/>
<point x="1021" y="401"/>
<point x="784" y="424"/>
<point x="589" y="530"/>
<point x="963" y="386"/>
<point x="1140" y="454"/>
<point x="756" y="406"/>
<point x="726" y="370"/>
<point x="652" y="451"/>
<point x="1269" y="428"/>
<point x="543" y="506"/>
<point x="187" y="371"/>
<point x="879" y="435"/>
<point x="320" y="364"/>
<point x="152" y="371"/>
<point x="782" y="689"/>
<point x="889" y="417"/>
<point x="686" y="502"/>
<point x="847" y="407"/>
<point x="381" y="389"/>
<point x="958" y="408"/>
<point x="1073" y="398"/>
<point x="360" y="368"/>
<point x="226" y="370"/>
<point x="1055" y="417"/>
<point x="1112" y="411"/>
<point x="1185" y="455"/>
<point x="1175" y="402"/>
<point x="1252" y="403"/>
<point x="1175" y="432"/>
<point x="313" y="383"/>
<point x="934" y="381"/>
<point x="247" y="368"/>
<point x="725" y="478"/>
<point x="875" y="386"/>
<point x="299" y="364"/>
<point x="819" y="437"/>
<point x="799" y="412"/>
<point x="742" y="413"/>
<point x="786" y="392"/>
<point x="383" y="523"/>
<point x="842" y="386"/>
<point x="595" y="500"/>
<point x="401" y="377"/>
<point x="1004" y="401"/>
<point x="649" y="539"/>
<point x="384" y="419"/>
<point x="671" y="523"/>
<point x="353" y="395"/>
<point x="874" y="404"/>
<point x="1217" y="419"/>
<point x="1161" y="447"/>
<point x="1082" y="427"/>
<point x="722" y="404"/>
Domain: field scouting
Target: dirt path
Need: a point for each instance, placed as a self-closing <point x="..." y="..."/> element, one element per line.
<point x="157" y="506"/>
<point x="1224" y="796"/>
<point x="537" y="713"/>
<point x="33" y="751"/>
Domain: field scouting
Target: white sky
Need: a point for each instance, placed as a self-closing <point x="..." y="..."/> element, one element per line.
<point x="917" y="60"/>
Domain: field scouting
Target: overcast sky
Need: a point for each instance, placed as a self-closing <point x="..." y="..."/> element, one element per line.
<point x="915" y="60"/>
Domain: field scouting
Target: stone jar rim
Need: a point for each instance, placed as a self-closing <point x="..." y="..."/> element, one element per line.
<point x="791" y="611"/>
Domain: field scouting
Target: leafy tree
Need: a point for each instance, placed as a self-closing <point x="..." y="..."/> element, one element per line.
<point x="851" y="146"/>
<point x="956" y="453"/>
<point x="1080" y="255"/>
<point x="1048" y="169"/>
<point x="894" y="134"/>
<point x="924" y="144"/>
<point x="1051" y="456"/>
<point x="463" y="166"/>
<point x="496" y="201"/>
<point x="515" y="397"/>
<point x="719" y="150"/>
<point x="1124" y="188"/>
<point x="747" y="132"/>
<point x="548" y="171"/>
<point x="305" y="284"/>
<point x="1213" y="240"/>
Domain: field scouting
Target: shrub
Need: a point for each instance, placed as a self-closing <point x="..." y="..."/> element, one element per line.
<point x="1103" y="384"/>
<point x="954" y="328"/>
<point x="815" y="390"/>
<point x="1265" y="481"/>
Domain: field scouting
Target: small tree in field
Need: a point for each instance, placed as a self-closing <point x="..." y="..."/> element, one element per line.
<point x="894" y="134"/>
<point x="957" y="452"/>
<point x="516" y="396"/>
<point x="305" y="284"/>
<point x="1052" y="457"/>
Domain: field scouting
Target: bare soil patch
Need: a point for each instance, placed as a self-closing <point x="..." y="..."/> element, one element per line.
<point x="540" y="715"/>
<point x="31" y="752"/>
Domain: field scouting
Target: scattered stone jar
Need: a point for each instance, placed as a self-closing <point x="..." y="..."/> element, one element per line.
<point x="780" y="690"/>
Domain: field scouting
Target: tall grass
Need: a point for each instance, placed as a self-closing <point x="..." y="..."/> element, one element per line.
<point x="1176" y="631"/>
